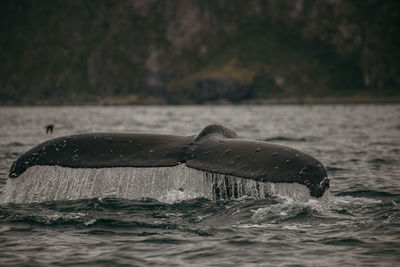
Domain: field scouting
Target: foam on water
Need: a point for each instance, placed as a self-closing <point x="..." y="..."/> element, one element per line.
<point x="166" y="184"/>
<point x="328" y="206"/>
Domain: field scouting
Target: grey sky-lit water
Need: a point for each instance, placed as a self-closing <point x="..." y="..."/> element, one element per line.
<point x="358" y="224"/>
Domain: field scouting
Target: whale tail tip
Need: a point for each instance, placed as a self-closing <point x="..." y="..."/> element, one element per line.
<point x="13" y="172"/>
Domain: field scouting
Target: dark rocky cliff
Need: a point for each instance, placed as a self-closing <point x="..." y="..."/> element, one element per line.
<point x="196" y="51"/>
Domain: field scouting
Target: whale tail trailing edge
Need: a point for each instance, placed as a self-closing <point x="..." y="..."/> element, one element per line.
<point x="216" y="149"/>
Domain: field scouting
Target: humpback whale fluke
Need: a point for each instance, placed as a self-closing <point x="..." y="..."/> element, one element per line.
<point x="216" y="149"/>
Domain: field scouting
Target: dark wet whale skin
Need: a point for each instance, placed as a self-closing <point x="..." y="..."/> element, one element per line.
<point x="215" y="149"/>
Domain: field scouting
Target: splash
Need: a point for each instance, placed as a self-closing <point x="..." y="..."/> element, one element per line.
<point x="328" y="206"/>
<point x="165" y="184"/>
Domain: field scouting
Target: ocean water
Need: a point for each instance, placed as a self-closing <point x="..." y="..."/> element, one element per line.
<point x="356" y="223"/>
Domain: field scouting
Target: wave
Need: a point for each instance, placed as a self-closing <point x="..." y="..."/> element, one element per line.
<point x="333" y="168"/>
<point x="373" y="194"/>
<point x="389" y="161"/>
<point x="15" y="144"/>
<point x="198" y="216"/>
<point x="291" y="139"/>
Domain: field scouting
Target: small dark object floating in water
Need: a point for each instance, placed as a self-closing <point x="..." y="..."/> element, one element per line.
<point x="49" y="128"/>
<point x="255" y="160"/>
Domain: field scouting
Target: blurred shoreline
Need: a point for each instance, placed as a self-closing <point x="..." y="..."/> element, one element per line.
<point x="183" y="52"/>
<point x="149" y="101"/>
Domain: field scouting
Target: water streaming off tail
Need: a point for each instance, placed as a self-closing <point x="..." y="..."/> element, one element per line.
<point x="166" y="184"/>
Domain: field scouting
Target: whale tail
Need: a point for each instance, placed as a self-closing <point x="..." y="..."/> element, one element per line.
<point x="216" y="149"/>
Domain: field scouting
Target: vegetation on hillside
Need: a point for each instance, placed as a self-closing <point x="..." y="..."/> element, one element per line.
<point x="196" y="51"/>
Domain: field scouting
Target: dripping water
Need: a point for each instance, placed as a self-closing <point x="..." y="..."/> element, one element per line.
<point x="165" y="184"/>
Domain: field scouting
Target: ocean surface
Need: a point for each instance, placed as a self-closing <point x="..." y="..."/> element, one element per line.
<point x="356" y="223"/>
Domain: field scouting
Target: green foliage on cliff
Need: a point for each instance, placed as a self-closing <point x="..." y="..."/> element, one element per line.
<point x="193" y="51"/>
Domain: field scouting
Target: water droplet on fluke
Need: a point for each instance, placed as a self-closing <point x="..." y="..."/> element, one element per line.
<point x="258" y="149"/>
